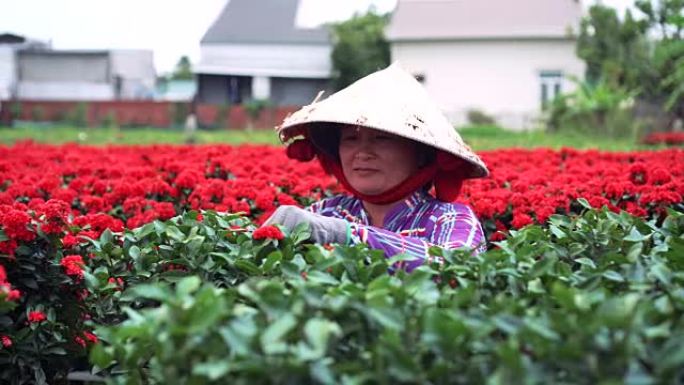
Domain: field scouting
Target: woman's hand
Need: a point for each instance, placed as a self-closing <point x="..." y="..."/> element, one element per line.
<point x="323" y="229"/>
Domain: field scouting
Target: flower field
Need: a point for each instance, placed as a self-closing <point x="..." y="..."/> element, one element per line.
<point x="88" y="231"/>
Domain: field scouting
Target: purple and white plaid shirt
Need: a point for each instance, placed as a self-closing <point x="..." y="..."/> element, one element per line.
<point x="411" y="227"/>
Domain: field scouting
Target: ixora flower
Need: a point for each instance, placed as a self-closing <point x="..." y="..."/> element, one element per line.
<point x="73" y="265"/>
<point x="268" y="232"/>
<point x="6" y="341"/>
<point x="36" y="316"/>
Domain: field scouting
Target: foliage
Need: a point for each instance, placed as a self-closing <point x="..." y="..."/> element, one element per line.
<point x="359" y="48"/>
<point x="478" y="117"/>
<point x="255" y="107"/>
<point x="591" y="299"/>
<point x="595" y="108"/>
<point x="644" y="53"/>
<point x="78" y="116"/>
<point x="183" y="69"/>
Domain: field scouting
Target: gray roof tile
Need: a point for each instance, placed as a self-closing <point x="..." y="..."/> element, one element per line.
<point x="262" y="22"/>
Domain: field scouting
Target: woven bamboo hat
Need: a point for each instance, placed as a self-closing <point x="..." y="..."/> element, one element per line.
<point x="389" y="100"/>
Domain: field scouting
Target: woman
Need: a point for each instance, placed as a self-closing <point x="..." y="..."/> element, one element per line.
<point x="388" y="145"/>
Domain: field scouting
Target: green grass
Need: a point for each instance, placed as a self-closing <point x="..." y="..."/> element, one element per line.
<point x="479" y="137"/>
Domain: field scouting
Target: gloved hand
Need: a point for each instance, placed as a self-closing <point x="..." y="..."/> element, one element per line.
<point x="323" y="229"/>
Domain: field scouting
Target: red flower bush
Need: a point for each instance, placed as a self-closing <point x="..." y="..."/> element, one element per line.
<point x="667" y="138"/>
<point x="268" y="232"/>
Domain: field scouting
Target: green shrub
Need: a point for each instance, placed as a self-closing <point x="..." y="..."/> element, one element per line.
<point x="595" y="298"/>
<point x="478" y="117"/>
<point x="601" y="109"/>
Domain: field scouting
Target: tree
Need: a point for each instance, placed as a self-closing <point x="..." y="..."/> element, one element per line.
<point x="666" y="17"/>
<point x="183" y="70"/>
<point x="643" y="53"/>
<point x="615" y="51"/>
<point x="360" y="48"/>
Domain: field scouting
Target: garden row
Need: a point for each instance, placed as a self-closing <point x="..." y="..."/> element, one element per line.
<point x="91" y="237"/>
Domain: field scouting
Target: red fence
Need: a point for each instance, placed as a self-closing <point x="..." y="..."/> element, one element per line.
<point x="138" y="114"/>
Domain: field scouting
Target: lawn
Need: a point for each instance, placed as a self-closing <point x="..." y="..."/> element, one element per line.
<point x="479" y="137"/>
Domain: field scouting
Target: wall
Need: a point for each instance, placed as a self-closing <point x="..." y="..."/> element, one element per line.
<point x="501" y="78"/>
<point x="140" y="113"/>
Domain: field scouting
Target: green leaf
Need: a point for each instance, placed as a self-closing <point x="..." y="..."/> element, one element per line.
<point x="586" y="262"/>
<point x="613" y="276"/>
<point x="188" y="285"/>
<point x="271" y="338"/>
<point x="3" y="237"/>
<point x="248" y="267"/>
<point x="149" y="291"/>
<point x="213" y="370"/>
<point x="635" y="236"/>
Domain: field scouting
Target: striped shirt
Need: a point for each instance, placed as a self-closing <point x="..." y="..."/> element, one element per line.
<point x="411" y="227"/>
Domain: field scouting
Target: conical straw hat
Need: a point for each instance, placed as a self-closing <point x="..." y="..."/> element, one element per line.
<point x="389" y="100"/>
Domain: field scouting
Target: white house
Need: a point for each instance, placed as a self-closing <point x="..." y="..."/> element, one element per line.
<point x="505" y="58"/>
<point x="256" y="50"/>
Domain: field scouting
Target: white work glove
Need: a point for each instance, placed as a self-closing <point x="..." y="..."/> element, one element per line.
<point x="323" y="229"/>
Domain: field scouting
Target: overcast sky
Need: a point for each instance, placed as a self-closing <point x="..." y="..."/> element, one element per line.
<point x="169" y="27"/>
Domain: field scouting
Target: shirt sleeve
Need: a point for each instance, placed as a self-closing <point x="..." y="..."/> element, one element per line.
<point x="451" y="231"/>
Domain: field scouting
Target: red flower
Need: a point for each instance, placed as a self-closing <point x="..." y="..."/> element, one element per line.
<point x="268" y="232"/>
<point x="80" y="341"/>
<point x="69" y="241"/>
<point x="6" y="341"/>
<point x="13" y="295"/>
<point x="73" y="265"/>
<point x="90" y="337"/>
<point x="36" y="316"/>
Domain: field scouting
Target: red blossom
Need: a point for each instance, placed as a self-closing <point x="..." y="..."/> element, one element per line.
<point x="73" y="265"/>
<point x="36" y="316"/>
<point x="6" y="341"/>
<point x="268" y="232"/>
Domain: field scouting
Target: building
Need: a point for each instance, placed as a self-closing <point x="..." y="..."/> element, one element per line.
<point x="505" y="58"/>
<point x="9" y="44"/>
<point x="255" y="50"/>
<point x="32" y="70"/>
<point x="85" y="74"/>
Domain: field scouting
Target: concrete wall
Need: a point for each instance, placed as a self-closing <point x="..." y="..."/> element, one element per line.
<point x="296" y="92"/>
<point x="136" y="69"/>
<point x="294" y="61"/>
<point x="7" y="73"/>
<point x="502" y="78"/>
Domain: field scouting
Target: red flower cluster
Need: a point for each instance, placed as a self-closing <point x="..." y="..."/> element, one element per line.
<point x="268" y="232"/>
<point x="668" y="138"/>
<point x="80" y="191"/>
<point x="73" y="265"/>
<point x="36" y="316"/>
<point x="6" y="288"/>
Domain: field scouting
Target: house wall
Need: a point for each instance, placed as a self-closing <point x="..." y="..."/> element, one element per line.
<point x="281" y="60"/>
<point x="63" y="76"/>
<point x="7" y="73"/>
<point x="136" y="69"/>
<point x="296" y="92"/>
<point x="501" y="78"/>
<point x="223" y="89"/>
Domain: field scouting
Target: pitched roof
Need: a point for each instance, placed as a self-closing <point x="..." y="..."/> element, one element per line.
<point x="483" y="19"/>
<point x="262" y="21"/>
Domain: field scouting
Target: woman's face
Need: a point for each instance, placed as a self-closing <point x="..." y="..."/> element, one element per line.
<point x="374" y="161"/>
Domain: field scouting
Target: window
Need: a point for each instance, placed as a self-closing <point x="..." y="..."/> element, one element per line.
<point x="551" y="86"/>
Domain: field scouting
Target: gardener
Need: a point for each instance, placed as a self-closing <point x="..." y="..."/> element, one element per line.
<point x="388" y="145"/>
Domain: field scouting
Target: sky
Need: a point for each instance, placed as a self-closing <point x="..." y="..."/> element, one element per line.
<point x="171" y="28"/>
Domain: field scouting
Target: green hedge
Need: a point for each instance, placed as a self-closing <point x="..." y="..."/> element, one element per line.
<point x="595" y="299"/>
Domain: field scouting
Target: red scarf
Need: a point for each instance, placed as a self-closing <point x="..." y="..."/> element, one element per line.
<point x="446" y="172"/>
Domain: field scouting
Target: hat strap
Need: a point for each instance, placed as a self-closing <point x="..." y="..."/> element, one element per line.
<point x="394" y="194"/>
